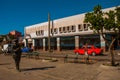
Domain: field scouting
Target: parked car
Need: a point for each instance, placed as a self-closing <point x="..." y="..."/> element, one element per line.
<point x="26" y="49"/>
<point x="91" y="50"/>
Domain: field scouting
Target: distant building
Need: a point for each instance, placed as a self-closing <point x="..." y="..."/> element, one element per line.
<point x="15" y="34"/>
<point x="67" y="33"/>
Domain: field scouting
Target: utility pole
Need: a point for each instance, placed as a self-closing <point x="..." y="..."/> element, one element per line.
<point x="53" y="42"/>
<point x="49" y="46"/>
<point x="52" y="28"/>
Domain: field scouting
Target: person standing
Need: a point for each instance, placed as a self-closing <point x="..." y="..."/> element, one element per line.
<point x="86" y="53"/>
<point x="17" y="54"/>
<point x="86" y="49"/>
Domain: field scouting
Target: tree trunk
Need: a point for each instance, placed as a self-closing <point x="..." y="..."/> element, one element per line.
<point x="112" y="57"/>
<point x="111" y="49"/>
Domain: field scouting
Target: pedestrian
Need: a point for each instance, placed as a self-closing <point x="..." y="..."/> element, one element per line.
<point x="86" y="49"/>
<point x="86" y="53"/>
<point x="17" y="54"/>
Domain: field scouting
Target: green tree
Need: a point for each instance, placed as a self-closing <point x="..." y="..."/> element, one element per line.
<point x="118" y="19"/>
<point x="101" y="21"/>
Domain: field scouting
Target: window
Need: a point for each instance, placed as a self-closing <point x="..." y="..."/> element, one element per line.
<point x="85" y="27"/>
<point x="51" y="31"/>
<point x="68" y="28"/>
<point x="42" y="32"/>
<point x="37" y="33"/>
<point x="73" y="28"/>
<point x="60" y="29"/>
<point x="55" y="30"/>
<point x="63" y="29"/>
<point x="80" y="27"/>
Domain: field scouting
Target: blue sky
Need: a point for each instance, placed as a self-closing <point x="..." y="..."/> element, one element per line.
<point x="16" y="14"/>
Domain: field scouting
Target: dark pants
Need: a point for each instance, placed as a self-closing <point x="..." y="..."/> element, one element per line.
<point x="17" y="58"/>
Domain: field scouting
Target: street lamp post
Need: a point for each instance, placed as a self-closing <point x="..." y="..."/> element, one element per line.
<point x="49" y="45"/>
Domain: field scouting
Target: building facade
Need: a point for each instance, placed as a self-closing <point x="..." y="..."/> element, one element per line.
<point x="67" y="33"/>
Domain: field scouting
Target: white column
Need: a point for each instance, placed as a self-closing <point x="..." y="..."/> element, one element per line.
<point x="76" y="28"/>
<point x="33" y="41"/>
<point x="76" y="42"/>
<point x="44" y="44"/>
<point x="33" y="44"/>
<point x="58" y="44"/>
<point x="26" y="42"/>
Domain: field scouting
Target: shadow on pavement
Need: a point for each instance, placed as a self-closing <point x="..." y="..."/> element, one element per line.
<point x="82" y="62"/>
<point x="42" y="68"/>
<point x="5" y="63"/>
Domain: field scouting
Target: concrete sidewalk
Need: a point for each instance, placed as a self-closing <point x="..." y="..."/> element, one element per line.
<point x="38" y="70"/>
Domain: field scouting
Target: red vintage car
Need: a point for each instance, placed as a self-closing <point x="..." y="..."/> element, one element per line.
<point x="91" y="50"/>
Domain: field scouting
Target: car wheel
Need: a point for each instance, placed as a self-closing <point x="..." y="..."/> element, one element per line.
<point x="93" y="53"/>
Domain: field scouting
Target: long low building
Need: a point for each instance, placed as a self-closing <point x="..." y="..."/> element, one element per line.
<point x="67" y="33"/>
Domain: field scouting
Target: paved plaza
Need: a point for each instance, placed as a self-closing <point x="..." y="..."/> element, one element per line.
<point x="33" y="69"/>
